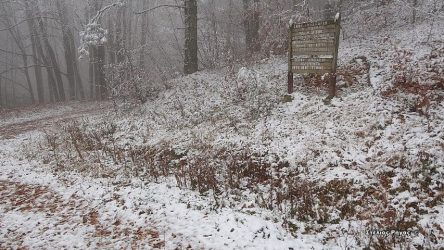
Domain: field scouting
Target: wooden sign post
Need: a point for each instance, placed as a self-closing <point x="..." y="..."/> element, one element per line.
<point x="313" y="49"/>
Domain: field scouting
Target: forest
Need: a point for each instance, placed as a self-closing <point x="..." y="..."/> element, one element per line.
<point x="56" y="51"/>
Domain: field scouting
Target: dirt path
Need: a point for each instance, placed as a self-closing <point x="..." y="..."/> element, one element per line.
<point x="38" y="217"/>
<point x="34" y="122"/>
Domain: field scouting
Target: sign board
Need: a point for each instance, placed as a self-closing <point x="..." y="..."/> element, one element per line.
<point x="313" y="48"/>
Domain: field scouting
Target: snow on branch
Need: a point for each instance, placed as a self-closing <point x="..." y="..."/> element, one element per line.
<point x="93" y="34"/>
<point x="119" y="3"/>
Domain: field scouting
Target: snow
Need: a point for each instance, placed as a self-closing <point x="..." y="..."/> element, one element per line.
<point x="163" y="205"/>
<point x="337" y="16"/>
<point x="375" y="143"/>
<point x="38" y="228"/>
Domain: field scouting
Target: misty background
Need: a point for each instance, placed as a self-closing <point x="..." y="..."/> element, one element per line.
<point x="45" y="54"/>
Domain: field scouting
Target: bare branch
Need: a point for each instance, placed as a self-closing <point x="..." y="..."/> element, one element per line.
<point x="103" y="10"/>
<point x="15" y="82"/>
<point x="24" y="20"/>
<point x="14" y="53"/>
<point x="157" y="7"/>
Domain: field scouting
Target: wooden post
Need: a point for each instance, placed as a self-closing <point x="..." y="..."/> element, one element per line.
<point x="332" y="80"/>
<point x="290" y="57"/>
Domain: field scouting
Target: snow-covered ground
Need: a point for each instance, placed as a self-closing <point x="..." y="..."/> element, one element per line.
<point x="11" y="116"/>
<point x="222" y="160"/>
<point x="41" y="209"/>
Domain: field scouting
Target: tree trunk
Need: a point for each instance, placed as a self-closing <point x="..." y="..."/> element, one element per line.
<point x="69" y="50"/>
<point x="79" y="83"/>
<point x="415" y="5"/>
<point x="1" y="93"/>
<point x="98" y="56"/>
<point x="129" y="24"/>
<point x="5" y="90"/>
<point x="143" y="35"/>
<point x="73" y="74"/>
<point x="97" y="62"/>
<point x="120" y="35"/>
<point x="111" y="42"/>
<point x="52" y="58"/>
<point x="36" y="59"/>
<point x="191" y="63"/>
<point x="14" y="98"/>
<point x="69" y="70"/>
<point x="37" y="72"/>
<point x="17" y="38"/>
<point x="53" y="94"/>
<point x="92" y="64"/>
<point x="28" y="79"/>
<point x="251" y="25"/>
<point x="100" y="73"/>
<point x="89" y="12"/>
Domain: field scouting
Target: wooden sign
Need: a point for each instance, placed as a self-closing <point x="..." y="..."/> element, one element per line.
<point x="313" y="48"/>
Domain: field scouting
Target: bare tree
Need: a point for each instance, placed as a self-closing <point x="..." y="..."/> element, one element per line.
<point x="35" y="55"/>
<point x="60" y="89"/>
<point x="8" y="20"/>
<point x="39" y="54"/>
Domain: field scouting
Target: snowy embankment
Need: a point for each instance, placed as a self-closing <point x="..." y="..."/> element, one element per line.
<point x="221" y="160"/>
<point x="41" y="208"/>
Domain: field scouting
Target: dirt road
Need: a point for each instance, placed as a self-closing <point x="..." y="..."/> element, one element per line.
<point x="35" y="216"/>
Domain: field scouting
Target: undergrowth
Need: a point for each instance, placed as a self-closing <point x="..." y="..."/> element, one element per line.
<point x="269" y="178"/>
<point x="402" y="189"/>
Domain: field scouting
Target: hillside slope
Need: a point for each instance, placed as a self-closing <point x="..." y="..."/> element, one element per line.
<point x="223" y="160"/>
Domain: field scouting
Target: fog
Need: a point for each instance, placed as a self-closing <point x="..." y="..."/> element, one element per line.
<point x="41" y="51"/>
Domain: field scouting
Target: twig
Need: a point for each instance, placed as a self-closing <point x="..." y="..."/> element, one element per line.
<point x="157" y="7"/>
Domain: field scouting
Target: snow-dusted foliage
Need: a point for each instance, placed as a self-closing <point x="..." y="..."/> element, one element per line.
<point x="93" y="33"/>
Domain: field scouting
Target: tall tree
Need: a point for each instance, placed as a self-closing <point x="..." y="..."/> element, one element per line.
<point x="415" y="6"/>
<point x="98" y="56"/>
<point x="35" y="55"/>
<point x="91" y="77"/>
<point x="110" y="45"/>
<point x="143" y="34"/>
<point x="120" y="35"/>
<point x="191" y="63"/>
<point x="100" y="72"/>
<point x="51" y="54"/>
<point x="8" y="19"/>
<point x="251" y="25"/>
<point x="73" y="75"/>
<point x="53" y="93"/>
<point x="1" y="94"/>
<point x="91" y="49"/>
